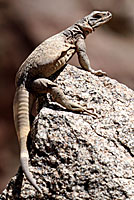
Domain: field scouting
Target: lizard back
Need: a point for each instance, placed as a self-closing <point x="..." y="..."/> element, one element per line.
<point x="46" y="59"/>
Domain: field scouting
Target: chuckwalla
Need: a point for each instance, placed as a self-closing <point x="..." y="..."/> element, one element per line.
<point x="35" y="76"/>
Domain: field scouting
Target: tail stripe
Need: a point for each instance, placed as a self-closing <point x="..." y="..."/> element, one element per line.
<point x="22" y="124"/>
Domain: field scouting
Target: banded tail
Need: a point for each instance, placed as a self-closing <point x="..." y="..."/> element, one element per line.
<point x="22" y="125"/>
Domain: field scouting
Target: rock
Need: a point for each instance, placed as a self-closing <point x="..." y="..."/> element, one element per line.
<point x="77" y="156"/>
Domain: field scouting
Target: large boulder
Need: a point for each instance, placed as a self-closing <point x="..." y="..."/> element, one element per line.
<point x="75" y="155"/>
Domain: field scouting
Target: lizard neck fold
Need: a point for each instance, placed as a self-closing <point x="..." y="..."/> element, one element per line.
<point x="74" y="32"/>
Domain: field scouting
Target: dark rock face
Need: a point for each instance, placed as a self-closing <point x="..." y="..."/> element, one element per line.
<point x="77" y="156"/>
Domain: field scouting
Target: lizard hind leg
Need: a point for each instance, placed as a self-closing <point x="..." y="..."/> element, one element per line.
<point x="59" y="97"/>
<point x="43" y="85"/>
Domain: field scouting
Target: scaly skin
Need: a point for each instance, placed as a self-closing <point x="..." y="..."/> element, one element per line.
<point x="42" y="66"/>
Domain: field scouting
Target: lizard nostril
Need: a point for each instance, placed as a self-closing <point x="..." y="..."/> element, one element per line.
<point x="109" y="14"/>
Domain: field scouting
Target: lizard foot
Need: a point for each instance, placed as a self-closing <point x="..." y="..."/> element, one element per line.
<point x="77" y="108"/>
<point x="90" y="112"/>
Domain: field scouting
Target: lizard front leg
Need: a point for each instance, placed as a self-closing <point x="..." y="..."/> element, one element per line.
<point x="83" y="58"/>
<point x="43" y="86"/>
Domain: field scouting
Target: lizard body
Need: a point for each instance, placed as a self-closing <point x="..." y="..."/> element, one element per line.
<point x="34" y="76"/>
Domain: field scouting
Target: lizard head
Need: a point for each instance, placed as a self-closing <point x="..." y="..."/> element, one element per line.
<point x="94" y="20"/>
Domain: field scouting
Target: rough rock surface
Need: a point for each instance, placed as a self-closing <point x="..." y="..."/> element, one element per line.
<point x="76" y="156"/>
<point x="26" y="23"/>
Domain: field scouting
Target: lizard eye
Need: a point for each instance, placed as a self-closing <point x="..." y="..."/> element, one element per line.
<point x="97" y="16"/>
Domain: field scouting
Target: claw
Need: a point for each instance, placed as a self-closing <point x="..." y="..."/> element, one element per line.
<point x="99" y="73"/>
<point x="91" y="113"/>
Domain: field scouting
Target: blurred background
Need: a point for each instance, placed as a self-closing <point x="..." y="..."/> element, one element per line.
<point x="26" y="23"/>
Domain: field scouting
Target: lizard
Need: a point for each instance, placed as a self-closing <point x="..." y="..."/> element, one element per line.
<point x="36" y="74"/>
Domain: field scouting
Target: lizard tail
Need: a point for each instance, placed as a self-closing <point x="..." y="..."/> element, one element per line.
<point x="22" y="125"/>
